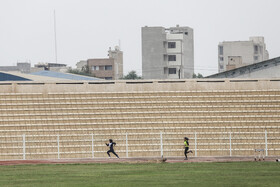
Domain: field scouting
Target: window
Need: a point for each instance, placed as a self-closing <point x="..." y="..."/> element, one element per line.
<point x="108" y="67"/>
<point x="256" y="49"/>
<point x="256" y="58"/>
<point x="165" y="70"/>
<point x="108" y="78"/>
<point x="171" y="44"/>
<point x="95" y="68"/>
<point x="172" y="70"/>
<point x="221" y="50"/>
<point x="221" y="58"/>
<point x="171" y="57"/>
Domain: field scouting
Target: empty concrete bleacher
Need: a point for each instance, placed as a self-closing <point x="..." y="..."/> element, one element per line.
<point x="77" y="124"/>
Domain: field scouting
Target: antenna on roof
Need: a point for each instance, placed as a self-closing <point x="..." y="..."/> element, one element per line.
<point x="55" y="42"/>
<point x="119" y="44"/>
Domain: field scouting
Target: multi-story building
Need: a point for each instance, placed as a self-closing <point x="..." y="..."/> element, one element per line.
<point x="117" y="55"/>
<point x="108" y="68"/>
<point x="167" y="53"/>
<point x="235" y="54"/>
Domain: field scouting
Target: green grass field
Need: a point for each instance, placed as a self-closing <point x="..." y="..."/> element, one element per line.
<point x="163" y="174"/>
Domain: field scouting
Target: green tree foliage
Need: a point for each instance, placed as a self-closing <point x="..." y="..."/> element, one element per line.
<point x="198" y="76"/>
<point x="132" y="75"/>
<point x="84" y="71"/>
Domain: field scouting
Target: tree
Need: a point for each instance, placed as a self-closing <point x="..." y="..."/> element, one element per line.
<point x="84" y="71"/>
<point x="132" y="75"/>
<point x="199" y="76"/>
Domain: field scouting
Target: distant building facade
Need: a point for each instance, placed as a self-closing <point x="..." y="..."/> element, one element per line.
<point x="108" y="68"/>
<point x="167" y="53"/>
<point x="117" y="55"/>
<point x="235" y="54"/>
<point x="22" y="67"/>
<point x="50" y="67"/>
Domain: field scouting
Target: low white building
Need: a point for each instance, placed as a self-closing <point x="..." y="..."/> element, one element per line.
<point x="235" y="54"/>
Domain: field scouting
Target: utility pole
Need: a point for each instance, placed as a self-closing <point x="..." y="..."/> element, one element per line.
<point x="55" y="41"/>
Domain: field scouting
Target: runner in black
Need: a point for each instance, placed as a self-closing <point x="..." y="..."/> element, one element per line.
<point x="111" y="146"/>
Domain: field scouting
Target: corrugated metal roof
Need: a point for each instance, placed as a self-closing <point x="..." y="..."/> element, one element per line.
<point x="10" y="77"/>
<point x="63" y="75"/>
<point x="234" y="73"/>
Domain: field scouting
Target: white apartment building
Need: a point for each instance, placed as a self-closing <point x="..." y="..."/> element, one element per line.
<point x="235" y="54"/>
<point x="167" y="53"/>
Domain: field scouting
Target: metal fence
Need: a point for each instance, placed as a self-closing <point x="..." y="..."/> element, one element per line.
<point x="166" y="144"/>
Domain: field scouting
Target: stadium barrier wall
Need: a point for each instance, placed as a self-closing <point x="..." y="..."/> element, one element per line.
<point x="139" y="85"/>
<point x="74" y="119"/>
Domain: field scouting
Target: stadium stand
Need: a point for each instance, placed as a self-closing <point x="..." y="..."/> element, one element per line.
<point x="44" y="120"/>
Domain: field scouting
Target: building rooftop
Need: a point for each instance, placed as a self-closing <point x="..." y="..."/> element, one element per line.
<point x="247" y="69"/>
<point x="10" y="77"/>
<point x="60" y="75"/>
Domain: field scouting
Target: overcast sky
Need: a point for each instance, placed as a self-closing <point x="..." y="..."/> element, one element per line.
<point x="87" y="28"/>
